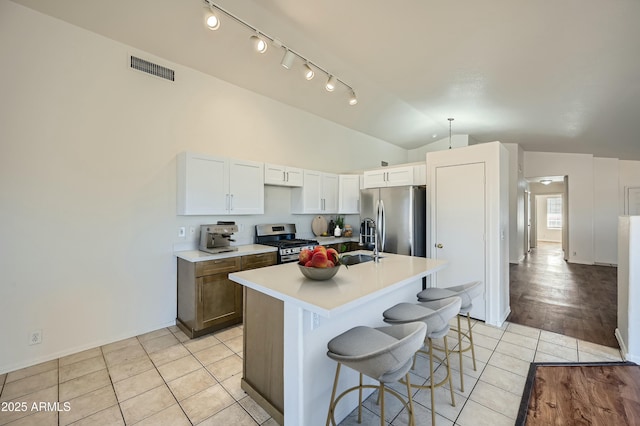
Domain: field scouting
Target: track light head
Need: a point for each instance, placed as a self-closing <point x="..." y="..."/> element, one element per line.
<point x="308" y="72"/>
<point x="211" y="19"/>
<point x="258" y="43"/>
<point x="352" y="98"/>
<point x="331" y="84"/>
<point x="287" y="59"/>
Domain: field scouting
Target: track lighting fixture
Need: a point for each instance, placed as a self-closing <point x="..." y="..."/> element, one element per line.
<point x="331" y="84"/>
<point x="211" y="19"/>
<point x="287" y="59"/>
<point x="352" y="98"/>
<point x="308" y="72"/>
<point x="260" y="42"/>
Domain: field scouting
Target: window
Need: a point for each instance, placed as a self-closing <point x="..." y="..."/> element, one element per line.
<point x="554" y="212"/>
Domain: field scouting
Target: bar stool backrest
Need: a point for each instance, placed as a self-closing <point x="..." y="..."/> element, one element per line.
<point x="389" y="357"/>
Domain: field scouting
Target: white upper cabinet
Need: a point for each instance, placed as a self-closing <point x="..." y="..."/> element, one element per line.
<point x="349" y="194"/>
<point x="275" y="174"/>
<point x="318" y="194"/>
<point x="208" y="185"/>
<point x="396" y="176"/>
<point x="246" y="187"/>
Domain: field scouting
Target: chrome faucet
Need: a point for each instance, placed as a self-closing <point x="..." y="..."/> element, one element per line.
<point x="371" y="228"/>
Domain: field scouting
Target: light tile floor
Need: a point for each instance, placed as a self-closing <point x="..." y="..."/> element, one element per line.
<point x="163" y="378"/>
<point x="159" y="378"/>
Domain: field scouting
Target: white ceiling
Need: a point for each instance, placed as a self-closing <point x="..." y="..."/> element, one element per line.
<point x="560" y="76"/>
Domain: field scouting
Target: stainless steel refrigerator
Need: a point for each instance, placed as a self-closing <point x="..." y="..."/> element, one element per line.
<point x="400" y="216"/>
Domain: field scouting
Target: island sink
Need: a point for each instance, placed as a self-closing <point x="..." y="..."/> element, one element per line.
<point x="354" y="259"/>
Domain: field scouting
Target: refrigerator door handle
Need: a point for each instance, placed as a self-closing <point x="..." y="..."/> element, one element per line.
<point x="383" y="224"/>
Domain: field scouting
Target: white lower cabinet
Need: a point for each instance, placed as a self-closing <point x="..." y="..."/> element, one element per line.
<point x="208" y="185"/>
<point x="318" y="194"/>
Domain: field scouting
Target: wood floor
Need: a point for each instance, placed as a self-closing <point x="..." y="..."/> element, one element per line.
<point x="571" y="299"/>
<point x="585" y="395"/>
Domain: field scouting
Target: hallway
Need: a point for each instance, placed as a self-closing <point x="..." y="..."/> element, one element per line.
<point x="571" y="299"/>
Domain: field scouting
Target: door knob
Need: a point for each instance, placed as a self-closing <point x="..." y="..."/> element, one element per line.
<point x="439" y="246"/>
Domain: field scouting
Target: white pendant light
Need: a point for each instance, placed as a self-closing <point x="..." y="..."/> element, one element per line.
<point x="450" y="120"/>
<point x="331" y="84"/>
<point x="308" y="72"/>
<point x="287" y="59"/>
<point x="352" y="98"/>
<point x="258" y="43"/>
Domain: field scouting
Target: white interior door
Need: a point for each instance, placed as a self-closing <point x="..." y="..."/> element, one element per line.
<point x="459" y="227"/>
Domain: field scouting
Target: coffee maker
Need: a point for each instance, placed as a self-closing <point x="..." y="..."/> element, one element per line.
<point x="216" y="238"/>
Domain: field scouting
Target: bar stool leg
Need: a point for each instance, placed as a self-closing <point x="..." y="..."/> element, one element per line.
<point x="473" y="350"/>
<point x="460" y="354"/>
<point x="360" y="401"/>
<point x="446" y="355"/>
<point x="432" y="383"/>
<point x="333" y="395"/>
<point x="381" y="404"/>
<point x="412" y="420"/>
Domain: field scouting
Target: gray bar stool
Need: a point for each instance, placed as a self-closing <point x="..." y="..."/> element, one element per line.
<point x="384" y="354"/>
<point x="436" y="316"/>
<point x="467" y="292"/>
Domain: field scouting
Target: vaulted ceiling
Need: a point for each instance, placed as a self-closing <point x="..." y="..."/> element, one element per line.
<point x="559" y="76"/>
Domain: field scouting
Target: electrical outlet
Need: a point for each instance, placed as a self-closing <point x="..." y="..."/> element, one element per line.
<point x="35" y="337"/>
<point x="182" y="232"/>
<point x="315" y="321"/>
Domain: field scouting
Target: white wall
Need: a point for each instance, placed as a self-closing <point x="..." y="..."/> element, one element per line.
<point x="579" y="168"/>
<point x="517" y="188"/>
<point x="605" y="213"/>
<point x="457" y="141"/>
<point x="628" y="330"/>
<point x="88" y="179"/>
<point x="544" y="233"/>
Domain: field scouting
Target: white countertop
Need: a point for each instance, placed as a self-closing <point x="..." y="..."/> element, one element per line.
<point x="349" y="288"/>
<point x="244" y="250"/>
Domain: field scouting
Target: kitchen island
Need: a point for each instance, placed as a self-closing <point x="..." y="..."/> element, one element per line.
<point x="288" y="320"/>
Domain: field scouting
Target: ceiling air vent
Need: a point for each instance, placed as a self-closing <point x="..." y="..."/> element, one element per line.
<point x="153" y="69"/>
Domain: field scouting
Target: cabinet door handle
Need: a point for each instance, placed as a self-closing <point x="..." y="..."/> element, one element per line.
<point x="231" y="202"/>
<point x="287" y="176"/>
<point x="200" y="294"/>
<point x="284" y="176"/>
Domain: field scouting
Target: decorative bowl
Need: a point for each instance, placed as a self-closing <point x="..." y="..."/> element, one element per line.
<point x="318" y="274"/>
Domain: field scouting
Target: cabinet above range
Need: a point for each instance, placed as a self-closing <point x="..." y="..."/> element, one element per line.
<point x="208" y="185"/>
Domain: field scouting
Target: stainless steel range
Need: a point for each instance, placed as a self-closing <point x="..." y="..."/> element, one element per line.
<point x="283" y="236"/>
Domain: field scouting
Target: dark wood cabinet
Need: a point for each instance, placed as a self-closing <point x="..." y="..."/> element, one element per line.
<point x="207" y="299"/>
<point x="259" y="260"/>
